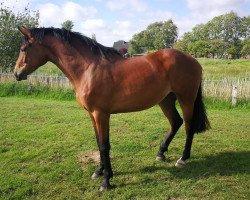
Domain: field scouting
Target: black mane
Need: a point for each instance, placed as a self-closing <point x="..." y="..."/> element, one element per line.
<point x="67" y="36"/>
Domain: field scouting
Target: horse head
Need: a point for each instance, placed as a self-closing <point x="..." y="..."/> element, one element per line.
<point x="31" y="56"/>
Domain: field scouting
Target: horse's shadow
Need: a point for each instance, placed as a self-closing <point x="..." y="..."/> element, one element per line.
<point x="223" y="164"/>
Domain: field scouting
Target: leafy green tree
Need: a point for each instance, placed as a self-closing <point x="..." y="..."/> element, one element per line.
<point x="218" y="48"/>
<point x="138" y="43"/>
<point x="158" y="35"/>
<point x="220" y="37"/>
<point x="10" y="37"/>
<point x="68" y="25"/>
<point x="184" y="43"/>
<point x="245" y="27"/>
<point x="245" y="51"/>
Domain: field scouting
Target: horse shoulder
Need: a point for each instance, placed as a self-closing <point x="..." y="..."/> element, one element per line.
<point x="95" y="90"/>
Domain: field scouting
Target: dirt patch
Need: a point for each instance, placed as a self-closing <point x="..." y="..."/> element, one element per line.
<point x="90" y="157"/>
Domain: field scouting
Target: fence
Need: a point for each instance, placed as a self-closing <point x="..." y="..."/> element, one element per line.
<point x="226" y="88"/>
<point x="52" y="81"/>
<point x="212" y="88"/>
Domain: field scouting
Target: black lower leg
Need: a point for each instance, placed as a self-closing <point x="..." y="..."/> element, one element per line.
<point x="99" y="170"/>
<point x="105" y="159"/>
<point x="164" y="145"/>
<point x="168" y="107"/>
<point x="188" y="145"/>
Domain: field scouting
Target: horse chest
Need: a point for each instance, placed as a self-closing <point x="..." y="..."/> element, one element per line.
<point x="92" y="100"/>
<point x="83" y="100"/>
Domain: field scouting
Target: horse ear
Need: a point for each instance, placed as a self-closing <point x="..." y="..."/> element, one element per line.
<point x="26" y="32"/>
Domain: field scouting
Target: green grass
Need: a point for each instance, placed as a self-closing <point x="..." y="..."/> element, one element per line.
<point x="225" y="68"/>
<point x="42" y="143"/>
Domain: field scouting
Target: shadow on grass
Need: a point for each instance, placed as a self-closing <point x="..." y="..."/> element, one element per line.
<point x="222" y="164"/>
<point x="225" y="163"/>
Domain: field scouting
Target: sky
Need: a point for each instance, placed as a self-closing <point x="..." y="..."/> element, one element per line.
<point x="113" y="20"/>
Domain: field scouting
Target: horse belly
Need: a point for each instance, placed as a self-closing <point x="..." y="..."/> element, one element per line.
<point x="140" y="96"/>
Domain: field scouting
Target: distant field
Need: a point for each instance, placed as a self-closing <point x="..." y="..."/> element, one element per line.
<point x="212" y="68"/>
<point x="44" y="146"/>
<point x="225" y="68"/>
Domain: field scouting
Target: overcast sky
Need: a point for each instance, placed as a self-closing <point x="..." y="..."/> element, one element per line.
<point x="112" y="20"/>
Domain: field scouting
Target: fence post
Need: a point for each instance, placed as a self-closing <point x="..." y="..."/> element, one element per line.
<point x="234" y="95"/>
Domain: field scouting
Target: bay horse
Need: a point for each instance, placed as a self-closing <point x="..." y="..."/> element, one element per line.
<point x="105" y="83"/>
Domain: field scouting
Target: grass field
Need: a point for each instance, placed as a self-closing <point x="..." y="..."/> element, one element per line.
<point x="46" y="148"/>
<point x="225" y="68"/>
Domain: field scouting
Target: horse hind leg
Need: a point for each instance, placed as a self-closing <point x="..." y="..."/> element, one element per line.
<point x="168" y="107"/>
<point x="187" y="106"/>
<point x="195" y="118"/>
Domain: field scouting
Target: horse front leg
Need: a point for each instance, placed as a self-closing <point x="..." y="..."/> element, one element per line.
<point x="101" y="126"/>
<point x="99" y="171"/>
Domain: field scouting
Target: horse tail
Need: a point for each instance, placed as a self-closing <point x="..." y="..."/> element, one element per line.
<point x="200" y="122"/>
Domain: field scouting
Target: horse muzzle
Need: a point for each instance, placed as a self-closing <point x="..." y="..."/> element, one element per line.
<point x="20" y="76"/>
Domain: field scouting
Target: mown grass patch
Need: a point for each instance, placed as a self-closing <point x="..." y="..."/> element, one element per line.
<point x="42" y="143"/>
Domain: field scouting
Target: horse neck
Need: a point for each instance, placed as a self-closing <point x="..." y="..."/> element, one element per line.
<point x="69" y="59"/>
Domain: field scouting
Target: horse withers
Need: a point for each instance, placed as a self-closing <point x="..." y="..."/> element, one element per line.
<point x="105" y="83"/>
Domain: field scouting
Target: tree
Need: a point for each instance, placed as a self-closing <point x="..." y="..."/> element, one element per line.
<point x="184" y="43"/>
<point x="158" y="35"/>
<point x="218" y="48"/>
<point x="10" y="37"/>
<point x="68" y="25"/>
<point x="245" y="27"/>
<point x="137" y="44"/>
<point x="245" y="51"/>
<point x="220" y="37"/>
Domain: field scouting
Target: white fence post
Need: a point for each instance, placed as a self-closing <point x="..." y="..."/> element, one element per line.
<point x="234" y="95"/>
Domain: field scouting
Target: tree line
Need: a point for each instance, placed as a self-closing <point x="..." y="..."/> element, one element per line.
<point x="225" y="36"/>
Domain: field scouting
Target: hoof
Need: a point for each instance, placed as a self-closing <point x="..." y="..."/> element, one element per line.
<point x="95" y="175"/>
<point x="105" y="188"/>
<point x="161" y="158"/>
<point x="180" y="163"/>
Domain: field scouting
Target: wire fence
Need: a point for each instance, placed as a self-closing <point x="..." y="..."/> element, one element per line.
<point x="221" y="89"/>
